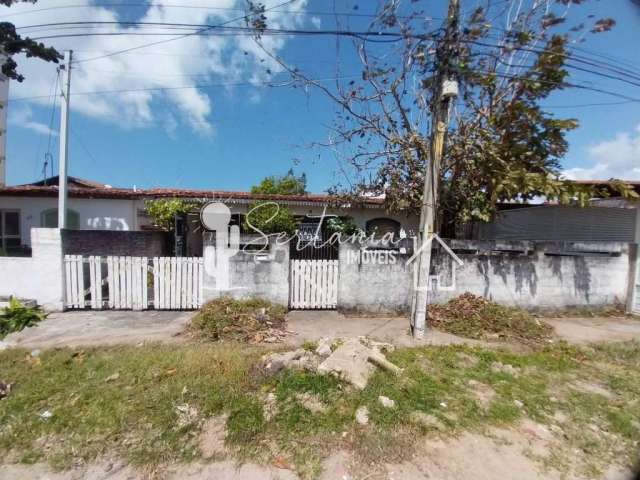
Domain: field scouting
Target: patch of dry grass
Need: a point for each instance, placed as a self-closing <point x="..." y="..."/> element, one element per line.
<point x="476" y="317"/>
<point x="249" y="321"/>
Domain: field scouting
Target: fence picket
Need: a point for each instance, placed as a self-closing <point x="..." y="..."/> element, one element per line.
<point x="200" y="282"/>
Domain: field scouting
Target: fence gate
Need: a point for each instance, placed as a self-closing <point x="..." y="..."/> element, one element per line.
<point x="313" y="284"/>
<point x="635" y="302"/>
<point x="133" y="283"/>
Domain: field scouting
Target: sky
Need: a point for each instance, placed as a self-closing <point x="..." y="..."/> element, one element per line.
<point x="233" y="129"/>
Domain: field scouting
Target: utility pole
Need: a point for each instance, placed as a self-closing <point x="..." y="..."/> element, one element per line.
<point x="64" y="139"/>
<point x="444" y="89"/>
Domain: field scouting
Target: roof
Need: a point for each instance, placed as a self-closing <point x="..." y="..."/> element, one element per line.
<point x="71" y="182"/>
<point x="79" y="188"/>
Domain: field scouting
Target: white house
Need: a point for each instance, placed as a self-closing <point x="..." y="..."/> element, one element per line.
<point x="96" y="206"/>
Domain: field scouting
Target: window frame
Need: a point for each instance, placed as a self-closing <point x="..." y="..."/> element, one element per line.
<point x="3" y="227"/>
<point x="70" y="213"/>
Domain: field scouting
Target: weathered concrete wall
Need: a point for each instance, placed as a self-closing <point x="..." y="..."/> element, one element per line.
<point x="545" y="275"/>
<point x="38" y="277"/>
<point x="525" y="274"/>
<point x="262" y="275"/>
<point x="111" y="242"/>
<point x="383" y="286"/>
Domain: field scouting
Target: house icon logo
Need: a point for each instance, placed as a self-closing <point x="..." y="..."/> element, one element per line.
<point x="435" y="279"/>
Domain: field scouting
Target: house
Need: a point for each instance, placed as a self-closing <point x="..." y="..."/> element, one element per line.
<point x="97" y="206"/>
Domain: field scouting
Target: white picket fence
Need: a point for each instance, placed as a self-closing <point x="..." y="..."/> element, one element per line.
<point x="176" y="282"/>
<point x="313" y="284"/>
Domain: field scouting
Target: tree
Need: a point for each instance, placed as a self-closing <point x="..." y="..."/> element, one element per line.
<point x="287" y="184"/>
<point x="502" y="145"/>
<point x="11" y="43"/>
<point x="270" y="216"/>
<point x="163" y="211"/>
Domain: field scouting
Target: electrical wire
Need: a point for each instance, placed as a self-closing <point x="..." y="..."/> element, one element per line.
<point x="271" y="83"/>
<point x="160" y="42"/>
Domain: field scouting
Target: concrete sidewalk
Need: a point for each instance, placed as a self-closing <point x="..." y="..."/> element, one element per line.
<point x="312" y="325"/>
<point x="101" y="327"/>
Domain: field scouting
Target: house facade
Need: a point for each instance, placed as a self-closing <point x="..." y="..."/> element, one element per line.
<point x="96" y="206"/>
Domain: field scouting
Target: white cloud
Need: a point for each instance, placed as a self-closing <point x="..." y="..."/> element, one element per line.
<point x="616" y="158"/>
<point x="189" y="61"/>
<point x="316" y="22"/>
<point x="23" y="117"/>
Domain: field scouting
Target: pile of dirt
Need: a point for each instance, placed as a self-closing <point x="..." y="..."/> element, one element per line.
<point x="476" y="317"/>
<point x="250" y="321"/>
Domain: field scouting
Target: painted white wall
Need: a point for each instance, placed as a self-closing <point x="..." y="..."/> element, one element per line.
<point x="38" y="277"/>
<point x="95" y="214"/>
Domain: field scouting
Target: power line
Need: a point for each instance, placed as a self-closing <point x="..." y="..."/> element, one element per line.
<point x="84" y="147"/>
<point x="244" y="17"/>
<point x="200" y="7"/>
<point x="271" y="83"/>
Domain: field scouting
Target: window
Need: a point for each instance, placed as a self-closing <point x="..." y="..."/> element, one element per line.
<point x="50" y="219"/>
<point x="380" y="226"/>
<point x="10" y="230"/>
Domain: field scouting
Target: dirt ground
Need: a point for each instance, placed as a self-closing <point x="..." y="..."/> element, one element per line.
<point x="501" y="454"/>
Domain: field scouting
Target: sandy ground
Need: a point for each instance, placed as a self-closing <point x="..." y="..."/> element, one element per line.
<point x="502" y="454"/>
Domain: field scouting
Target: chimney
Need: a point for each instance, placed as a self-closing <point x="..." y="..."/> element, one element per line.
<point x="4" y="105"/>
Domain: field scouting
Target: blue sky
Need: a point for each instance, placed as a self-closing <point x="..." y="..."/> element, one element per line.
<point x="229" y="138"/>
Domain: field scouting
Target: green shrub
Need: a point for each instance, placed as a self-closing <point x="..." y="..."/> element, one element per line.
<point x="17" y="317"/>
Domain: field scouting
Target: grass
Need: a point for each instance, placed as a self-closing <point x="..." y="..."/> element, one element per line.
<point x="123" y="401"/>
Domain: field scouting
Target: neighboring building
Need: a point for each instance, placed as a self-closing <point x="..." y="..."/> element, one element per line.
<point x="96" y="206"/>
<point x="612" y="219"/>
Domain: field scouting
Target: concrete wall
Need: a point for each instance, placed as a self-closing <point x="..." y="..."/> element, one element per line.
<point x="525" y="274"/>
<point x="547" y="275"/>
<point x="264" y="275"/>
<point x="111" y="242"/>
<point x="95" y="214"/>
<point x="38" y="277"/>
<point x="383" y="286"/>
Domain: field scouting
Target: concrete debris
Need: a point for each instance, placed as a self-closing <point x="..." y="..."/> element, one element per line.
<point x="46" y="415"/>
<point x="325" y="346"/>
<point x="362" y="415"/>
<point x="518" y="403"/>
<point x="5" y="389"/>
<point x="355" y="362"/>
<point x="187" y="415"/>
<point x="299" y="359"/>
<point x="386" y="402"/>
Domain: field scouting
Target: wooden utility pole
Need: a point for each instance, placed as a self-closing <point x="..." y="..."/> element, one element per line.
<point x="444" y="90"/>
<point x="64" y="140"/>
